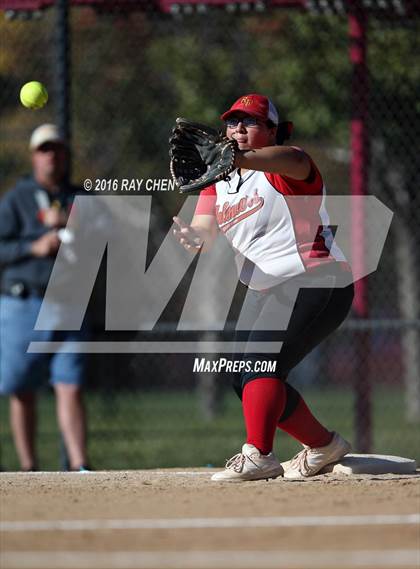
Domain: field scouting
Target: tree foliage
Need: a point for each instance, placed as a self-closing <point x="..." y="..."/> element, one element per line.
<point x="132" y="76"/>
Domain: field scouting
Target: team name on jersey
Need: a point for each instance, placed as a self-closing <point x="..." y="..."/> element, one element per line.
<point x="229" y="215"/>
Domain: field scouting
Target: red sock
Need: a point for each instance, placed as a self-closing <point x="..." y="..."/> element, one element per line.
<point x="303" y="426"/>
<point x="263" y="402"/>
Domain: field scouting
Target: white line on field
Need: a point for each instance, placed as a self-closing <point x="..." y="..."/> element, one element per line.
<point x="347" y="559"/>
<point x="182" y="473"/>
<point x="92" y="473"/>
<point x="199" y="523"/>
<point x="205" y="473"/>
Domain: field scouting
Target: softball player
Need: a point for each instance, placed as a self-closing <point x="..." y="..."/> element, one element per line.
<point x="272" y="234"/>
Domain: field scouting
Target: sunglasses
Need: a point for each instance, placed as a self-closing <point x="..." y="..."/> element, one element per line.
<point x="50" y="146"/>
<point x="232" y="122"/>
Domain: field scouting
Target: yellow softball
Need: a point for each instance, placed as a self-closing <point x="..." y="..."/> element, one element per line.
<point x="33" y="95"/>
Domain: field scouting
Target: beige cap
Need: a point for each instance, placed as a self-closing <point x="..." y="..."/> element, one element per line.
<point x="45" y="133"/>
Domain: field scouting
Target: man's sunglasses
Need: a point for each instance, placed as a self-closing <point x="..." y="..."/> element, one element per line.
<point x="232" y="122"/>
<point x="50" y="146"/>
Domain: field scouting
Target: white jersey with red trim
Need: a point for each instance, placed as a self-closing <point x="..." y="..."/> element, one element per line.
<point x="278" y="226"/>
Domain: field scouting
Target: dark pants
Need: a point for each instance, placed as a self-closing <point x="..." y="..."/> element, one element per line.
<point x="316" y="313"/>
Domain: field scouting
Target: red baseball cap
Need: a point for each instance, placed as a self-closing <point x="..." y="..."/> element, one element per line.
<point x="255" y="105"/>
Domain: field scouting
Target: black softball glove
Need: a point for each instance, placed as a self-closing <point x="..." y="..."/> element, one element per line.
<point x="200" y="156"/>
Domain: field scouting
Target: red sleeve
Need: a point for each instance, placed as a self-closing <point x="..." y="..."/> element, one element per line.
<point x="289" y="186"/>
<point x="206" y="204"/>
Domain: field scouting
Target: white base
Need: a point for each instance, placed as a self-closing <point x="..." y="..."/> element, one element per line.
<point x="371" y="464"/>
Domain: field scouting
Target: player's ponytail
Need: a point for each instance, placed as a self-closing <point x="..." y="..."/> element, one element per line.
<point x="284" y="132"/>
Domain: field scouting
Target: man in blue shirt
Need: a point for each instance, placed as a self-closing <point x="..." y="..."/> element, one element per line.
<point x="32" y="217"/>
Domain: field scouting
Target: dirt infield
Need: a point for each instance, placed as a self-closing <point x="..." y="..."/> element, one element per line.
<point x="170" y="519"/>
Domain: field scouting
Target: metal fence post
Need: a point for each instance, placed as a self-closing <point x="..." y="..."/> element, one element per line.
<point x="63" y="114"/>
<point x="63" y="67"/>
<point x="359" y="187"/>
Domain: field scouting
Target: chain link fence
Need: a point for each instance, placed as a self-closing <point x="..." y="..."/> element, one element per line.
<point x="131" y="75"/>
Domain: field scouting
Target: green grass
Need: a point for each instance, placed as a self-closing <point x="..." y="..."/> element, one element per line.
<point x="167" y="429"/>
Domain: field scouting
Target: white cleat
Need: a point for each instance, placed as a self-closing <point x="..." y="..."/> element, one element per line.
<point x="311" y="460"/>
<point x="250" y="464"/>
